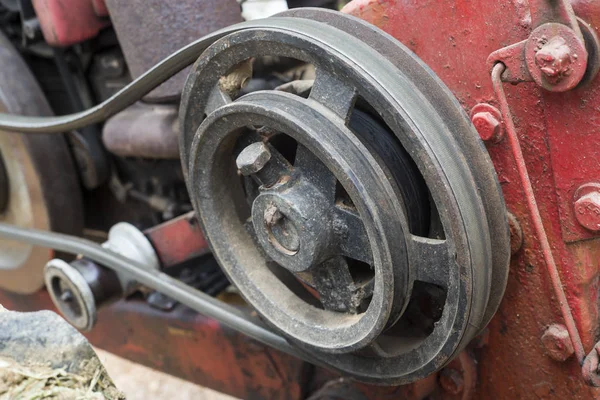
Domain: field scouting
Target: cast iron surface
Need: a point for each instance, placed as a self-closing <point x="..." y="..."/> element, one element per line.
<point x="181" y="21"/>
<point x="421" y="131"/>
<point x="325" y="330"/>
<point x="459" y="124"/>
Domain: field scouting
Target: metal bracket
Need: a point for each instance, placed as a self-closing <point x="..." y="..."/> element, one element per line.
<point x="590" y="363"/>
<point x="559" y="54"/>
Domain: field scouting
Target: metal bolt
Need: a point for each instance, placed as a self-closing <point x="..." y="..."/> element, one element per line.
<point x="488" y="126"/>
<point x="253" y="158"/>
<point x="557" y="342"/>
<point x="587" y="211"/>
<point x="452" y="381"/>
<point x="554" y="59"/>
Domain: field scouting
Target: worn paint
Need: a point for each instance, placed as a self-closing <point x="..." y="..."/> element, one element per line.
<point x="558" y="135"/>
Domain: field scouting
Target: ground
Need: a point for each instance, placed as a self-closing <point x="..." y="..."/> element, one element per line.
<point x="141" y="383"/>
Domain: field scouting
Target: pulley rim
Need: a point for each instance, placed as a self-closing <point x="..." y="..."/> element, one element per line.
<point x="429" y="142"/>
<point x="333" y="333"/>
<point x="442" y="98"/>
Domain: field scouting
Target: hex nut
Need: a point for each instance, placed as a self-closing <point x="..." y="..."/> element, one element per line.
<point x="554" y="59"/>
<point x="587" y="211"/>
<point x="487" y="120"/>
<point x="487" y="126"/>
<point x="557" y="342"/>
<point x="253" y="158"/>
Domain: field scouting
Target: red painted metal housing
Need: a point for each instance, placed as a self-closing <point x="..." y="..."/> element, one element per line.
<point x="558" y="133"/>
<point x="178" y="240"/>
<point x="67" y="22"/>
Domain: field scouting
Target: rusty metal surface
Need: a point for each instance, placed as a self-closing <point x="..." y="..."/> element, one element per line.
<point x="177" y="23"/>
<point x="557" y="132"/>
<point x="178" y="240"/>
<point x="187" y="345"/>
<point x="67" y="22"/>
<point x="558" y="136"/>
<point x="143" y="130"/>
<point x="536" y="218"/>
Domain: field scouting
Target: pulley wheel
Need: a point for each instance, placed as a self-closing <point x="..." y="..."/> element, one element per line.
<point x="39" y="185"/>
<point x="333" y="211"/>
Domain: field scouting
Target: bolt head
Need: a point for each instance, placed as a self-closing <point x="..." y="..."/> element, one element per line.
<point x="488" y="126"/>
<point x="557" y="342"/>
<point x="452" y="381"/>
<point x="253" y="158"/>
<point x="587" y="211"/>
<point x="554" y="59"/>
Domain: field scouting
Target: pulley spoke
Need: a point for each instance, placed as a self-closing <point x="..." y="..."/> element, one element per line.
<point x="352" y="235"/>
<point x="336" y="287"/>
<point x="216" y="99"/>
<point x="315" y="172"/>
<point x="334" y="93"/>
<point x="431" y="260"/>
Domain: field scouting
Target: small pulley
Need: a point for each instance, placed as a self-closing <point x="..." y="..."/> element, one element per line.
<point x="363" y="218"/>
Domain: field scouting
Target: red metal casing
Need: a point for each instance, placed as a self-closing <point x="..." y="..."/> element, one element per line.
<point x="559" y="136"/>
<point x="67" y="22"/>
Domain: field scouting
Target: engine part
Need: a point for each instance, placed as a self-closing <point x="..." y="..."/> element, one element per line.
<point x="347" y="69"/>
<point x="79" y="289"/>
<point x="40" y="185"/>
<point x="148" y="131"/>
<point x="561" y="52"/>
<point x="136" y="21"/>
<point x="87" y="148"/>
<point x="465" y="311"/>
<point x="535" y="213"/>
<point x="135" y="271"/>
<point x="178" y="240"/>
<point x="82" y="287"/>
<point x="67" y="22"/>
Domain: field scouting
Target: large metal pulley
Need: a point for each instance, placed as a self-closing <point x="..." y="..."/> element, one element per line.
<point x="364" y="220"/>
